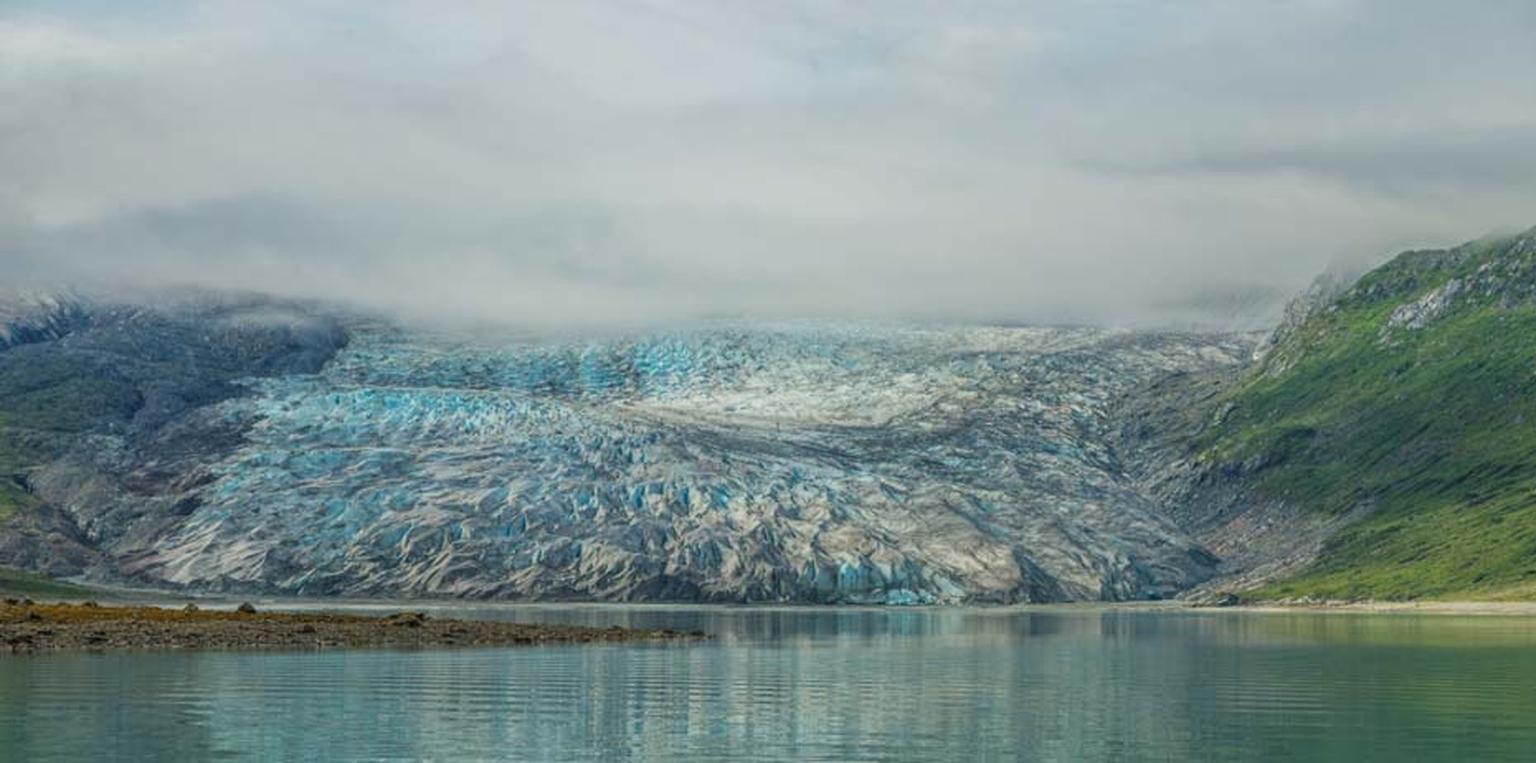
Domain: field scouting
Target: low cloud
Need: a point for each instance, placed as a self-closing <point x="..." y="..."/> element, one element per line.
<point x="614" y="163"/>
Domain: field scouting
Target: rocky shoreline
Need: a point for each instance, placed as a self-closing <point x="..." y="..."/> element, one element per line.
<point x="28" y="627"/>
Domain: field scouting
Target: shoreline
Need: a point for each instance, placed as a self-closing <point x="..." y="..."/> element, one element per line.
<point x="28" y="627"/>
<point x="126" y="597"/>
<point x="1524" y="608"/>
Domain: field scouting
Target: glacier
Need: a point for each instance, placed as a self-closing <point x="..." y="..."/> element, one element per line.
<point x="796" y="462"/>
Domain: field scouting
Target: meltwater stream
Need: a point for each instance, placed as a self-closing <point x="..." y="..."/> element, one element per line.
<point x="820" y="684"/>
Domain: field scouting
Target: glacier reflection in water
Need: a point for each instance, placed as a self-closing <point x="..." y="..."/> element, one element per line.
<point x="821" y="684"/>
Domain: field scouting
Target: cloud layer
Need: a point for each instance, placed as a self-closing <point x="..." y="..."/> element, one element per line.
<point x="592" y="164"/>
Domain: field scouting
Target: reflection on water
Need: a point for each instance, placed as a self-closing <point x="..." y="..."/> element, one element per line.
<point x="820" y="684"/>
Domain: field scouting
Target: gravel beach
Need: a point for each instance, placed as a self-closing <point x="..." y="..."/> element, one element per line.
<point x="27" y="627"/>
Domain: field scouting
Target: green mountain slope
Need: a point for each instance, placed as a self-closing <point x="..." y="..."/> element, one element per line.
<point x="1410" y="398"/>
<point x="19" y="583"/>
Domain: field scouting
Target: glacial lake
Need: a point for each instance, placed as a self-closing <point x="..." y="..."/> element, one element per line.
<point x="810" y="684"/>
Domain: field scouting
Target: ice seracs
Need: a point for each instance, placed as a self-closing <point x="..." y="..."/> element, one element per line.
<point x="798" y="463"/>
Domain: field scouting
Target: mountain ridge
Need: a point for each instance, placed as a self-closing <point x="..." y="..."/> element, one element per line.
<point x="1376" y="445"/>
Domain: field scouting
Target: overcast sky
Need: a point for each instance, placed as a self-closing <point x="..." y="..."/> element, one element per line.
<point x="590" y="163"/>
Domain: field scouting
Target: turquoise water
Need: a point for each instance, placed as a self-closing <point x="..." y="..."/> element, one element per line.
<point x="821" y="684"/>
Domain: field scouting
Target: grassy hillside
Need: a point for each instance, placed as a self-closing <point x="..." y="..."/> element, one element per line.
<point x="1410" y="398"/>
<point x="20" y="583"/>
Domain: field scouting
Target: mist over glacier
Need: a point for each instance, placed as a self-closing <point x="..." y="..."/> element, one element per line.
<point x="538" y="268"/>
<point x="610" y="165"/>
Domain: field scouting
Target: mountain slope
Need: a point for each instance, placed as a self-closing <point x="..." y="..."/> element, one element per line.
<point x="800" y="463"/>
<point x="1380" y="444"/>
<point x="1387" y="434"/>
<point x="85" y="388"/>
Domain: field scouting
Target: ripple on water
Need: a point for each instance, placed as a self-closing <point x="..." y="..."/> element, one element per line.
<point x="819" y="685"/>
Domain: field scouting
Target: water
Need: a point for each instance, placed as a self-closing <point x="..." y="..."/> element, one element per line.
<point x="821" y="684"/>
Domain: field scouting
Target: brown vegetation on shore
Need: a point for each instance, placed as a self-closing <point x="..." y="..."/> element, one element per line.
<point x="26" y="627"/>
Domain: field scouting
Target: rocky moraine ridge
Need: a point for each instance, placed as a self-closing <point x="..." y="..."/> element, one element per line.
<point x="228" y="444"/>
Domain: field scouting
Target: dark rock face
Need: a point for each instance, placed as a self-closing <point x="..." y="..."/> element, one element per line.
<point x="256" y="448"/>
<point x="1254" y="536"/>
<point x="29" y="320"/>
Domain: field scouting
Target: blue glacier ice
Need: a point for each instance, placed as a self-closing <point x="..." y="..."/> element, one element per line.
<point x="796" y="463"/>
<point x="816" y="464"/>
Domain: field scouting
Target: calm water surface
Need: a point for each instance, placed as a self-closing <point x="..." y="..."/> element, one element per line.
<point x="821" y="684"/>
